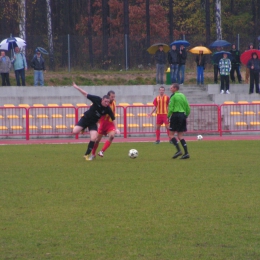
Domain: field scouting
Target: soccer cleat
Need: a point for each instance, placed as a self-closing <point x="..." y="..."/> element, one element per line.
<point x="227" y="92"/>
<point x="88" y="157"/>
<point x="185" y="156"/>
<point x="93" y="156"/>
<point x="222" y="91"/>
<point x="101" y="153"/>
<point x="157" y="142"/>
<point x="179" y="153"/>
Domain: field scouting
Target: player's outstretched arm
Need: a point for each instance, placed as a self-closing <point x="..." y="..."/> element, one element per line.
<point x="83" y="92"/>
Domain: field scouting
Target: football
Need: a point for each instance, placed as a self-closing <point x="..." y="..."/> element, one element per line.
<point x="199" y="137"/>
<point x="133" y="153"/>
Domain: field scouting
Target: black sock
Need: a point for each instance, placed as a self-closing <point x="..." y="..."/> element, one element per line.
<point x="175" y="143"/>
<point x="184" y="145"/>
<point x="90" y="147"/>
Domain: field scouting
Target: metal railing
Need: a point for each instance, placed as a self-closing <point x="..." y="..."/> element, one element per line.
<point x="132" y="120"/>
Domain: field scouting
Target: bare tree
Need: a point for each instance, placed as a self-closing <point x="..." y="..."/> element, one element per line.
<point x="105" y="32"/>
<point x="90" y="40"/>
<point x="207" y="11"/>
<point x="22" y="19"/>
<point x="148" y="34"/>
<point x="126" y="32"/>
<point x="50" y="36"/>
<point x="218" y="20"/>
<point x="171" y="20"/>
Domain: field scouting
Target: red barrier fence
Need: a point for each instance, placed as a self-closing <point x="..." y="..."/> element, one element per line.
<point x="58" y="121"/>
<point x="239" y="117"/>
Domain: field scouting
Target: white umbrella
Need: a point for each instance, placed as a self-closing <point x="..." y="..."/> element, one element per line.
<point x="11" y="43"/>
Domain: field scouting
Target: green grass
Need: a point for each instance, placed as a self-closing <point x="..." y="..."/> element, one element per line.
<point x="55" y="205"/>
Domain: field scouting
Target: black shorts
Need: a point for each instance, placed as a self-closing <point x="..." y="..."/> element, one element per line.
<point x="178" y="122"/>
<point x="84" y="122"/>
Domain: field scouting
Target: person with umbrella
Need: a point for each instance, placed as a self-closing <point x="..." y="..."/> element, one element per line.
<point x="5" y="66"/>
<point x="216" y="65"/>
<point x="38" y="65"/>
<point x="201" y="62"/>
<point x="254" y="67"/>
<point x="224" y="68"/>
<point x="250" y="47"/>
<point x="160" y="58"/>
<point x="173" y="59"/>
<point x="235" y="64"/>
<point x="182" y="62"/>
<point x="20" y="65"/>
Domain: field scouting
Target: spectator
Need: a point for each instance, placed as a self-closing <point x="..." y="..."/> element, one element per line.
<point x="181" y="68"/>
<point x="160" y="58"/>
<point x="250" y="47"/>
<point x="5" y="66"/>
<point x="224" y="68"/>
<point x="201" y="62"/>
<point x="254" y="67"/>
<point x="20" y="65"/>
<point x="173" y="59"/>
<point x="235" y="64"/>
<point x="216" y="66"/>
<point x="38" y="65"/>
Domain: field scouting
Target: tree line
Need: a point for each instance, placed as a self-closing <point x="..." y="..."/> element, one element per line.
<point x="105" y="32"/>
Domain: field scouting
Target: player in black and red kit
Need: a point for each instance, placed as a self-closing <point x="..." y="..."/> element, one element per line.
<point x="100" y="106"/>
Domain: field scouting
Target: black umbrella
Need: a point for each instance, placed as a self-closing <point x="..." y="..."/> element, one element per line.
<point x="42" y="50"/>
<point x="217" y="56"/>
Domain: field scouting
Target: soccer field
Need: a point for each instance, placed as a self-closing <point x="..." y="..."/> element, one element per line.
<point x="56" y="205"/>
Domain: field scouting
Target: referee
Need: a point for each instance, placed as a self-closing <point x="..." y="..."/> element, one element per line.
<point x="178" y="111"/>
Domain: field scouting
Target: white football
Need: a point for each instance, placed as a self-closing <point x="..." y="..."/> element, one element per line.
<point x="133" y="153"/>
<point x="199" y="137"/>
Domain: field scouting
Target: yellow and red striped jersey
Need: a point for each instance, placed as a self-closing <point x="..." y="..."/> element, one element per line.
<point x="107" y="117"/>
<point x="161" y="104"/>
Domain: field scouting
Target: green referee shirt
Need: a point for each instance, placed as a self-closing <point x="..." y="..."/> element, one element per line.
<point x="178" y="103"/>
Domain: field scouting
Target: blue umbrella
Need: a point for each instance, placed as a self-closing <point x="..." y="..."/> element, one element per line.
<point x="219" y="55"/>
<point x="220" y="43"/>
<point x="11" y="43"/>
<point x="42" y="50"/>
<point x="180" y="42"/>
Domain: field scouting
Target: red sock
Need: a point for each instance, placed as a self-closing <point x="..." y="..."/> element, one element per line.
<point x="158" y="134"/>
<point x="106" y="145"/>
<point x="95" y="148"/>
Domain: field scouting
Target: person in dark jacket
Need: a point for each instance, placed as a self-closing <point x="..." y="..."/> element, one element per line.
<point x="38" y="65"/>
<point x="250" y="47"/>
<point x="201" y="62"/>
<point x="235" y="64"/>
<point x="160" y="58"/>
<point x="254" y="67"/>
<point x="173" y="59"/>
<point x="182" y="62"/>
<point x="215" y="65"/>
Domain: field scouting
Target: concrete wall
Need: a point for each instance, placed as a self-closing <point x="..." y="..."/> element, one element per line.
<point x="130" y="94"/>
<point x="239" y="92"/>
<point x="67" y="94"/>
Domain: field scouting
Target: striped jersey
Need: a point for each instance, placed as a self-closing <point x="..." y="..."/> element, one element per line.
<point x="161" y="104"/>
<point x="107" y="117"/>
